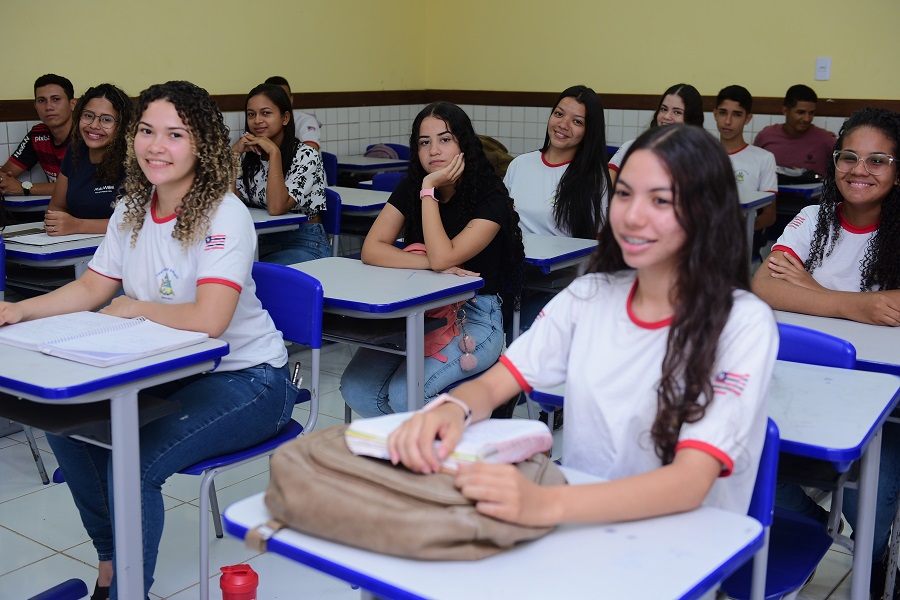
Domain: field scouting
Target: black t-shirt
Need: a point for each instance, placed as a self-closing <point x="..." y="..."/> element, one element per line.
<point x="491" y="207"/>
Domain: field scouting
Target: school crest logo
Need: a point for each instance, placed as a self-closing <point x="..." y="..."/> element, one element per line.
<point x="166" y="289"/>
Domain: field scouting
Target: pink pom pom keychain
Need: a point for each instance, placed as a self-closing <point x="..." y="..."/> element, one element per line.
<point x="468" y="361"/>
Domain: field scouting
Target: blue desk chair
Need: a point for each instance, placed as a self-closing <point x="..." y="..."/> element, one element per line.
<point x="330" y="162"/>
<point x="294" y="300"/>
<point x="611" y="150"/>
<point x="73" y="589"/>
<point x="795" y="543"/>
<point x="387" y="182"/>
<point x="401" y="149"/>
<point x="331" y="219"/>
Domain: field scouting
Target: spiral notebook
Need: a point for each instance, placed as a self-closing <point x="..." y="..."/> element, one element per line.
<point x="97" y="339"/>
<point x="506" y="441"/>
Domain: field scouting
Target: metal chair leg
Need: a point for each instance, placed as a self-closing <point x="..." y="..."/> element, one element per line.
<point x="36" y="453"/>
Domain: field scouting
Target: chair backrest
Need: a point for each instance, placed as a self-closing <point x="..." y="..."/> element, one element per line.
<point x="293" y="299"/>
<point x="2" y="269"/>
<point x="387" y="182"/>
<point x="330" y="162"/>
<point x="331" y="219"/>
<point x="611" y="150"/>
<point x="811" y="347"/>
<point x="762" y="503"/>
<point x="401" y="150"/>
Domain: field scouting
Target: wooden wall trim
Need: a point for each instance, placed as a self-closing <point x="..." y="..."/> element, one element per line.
<point x="23" y="110"/>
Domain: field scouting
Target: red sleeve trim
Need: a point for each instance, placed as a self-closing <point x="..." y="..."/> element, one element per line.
<point x="224" y="282"/>
<point x="515" y="373"/>
<point x="786" y="250"/>
<point x="17" y="163"/>
<point x="312" y="143"/>
<point x="107" y="276"/>
<point x="719" y="455"/>
<point x="613" y="167"/>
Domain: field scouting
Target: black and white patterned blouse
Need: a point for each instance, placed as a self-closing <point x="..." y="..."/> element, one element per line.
<point x="305" y="181"/>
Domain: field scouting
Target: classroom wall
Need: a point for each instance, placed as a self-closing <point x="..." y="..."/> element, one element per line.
<point x="364" y="45"/>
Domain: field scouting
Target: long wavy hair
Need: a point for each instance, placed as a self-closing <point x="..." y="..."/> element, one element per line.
<point x="251" y="162"/>
<point x="112" y="164"/>
<point x="693" y="104"/>
<point x="712" y="263"/>
<point x="579" y="196"/>
<point x="880" y="266"/>
<point x="213" y="173"/>
<point x="478" y="180"/>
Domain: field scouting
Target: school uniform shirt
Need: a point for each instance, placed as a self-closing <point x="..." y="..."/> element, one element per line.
<point x="811" y="150"/>
<point x="840" y="271"/>
<point x="616" y="161"/>
<point x="158" y="269"/>
<point x="308" y="127"/>
<point x="533" y="183"/>
<point x="37" y="147"/>
<point x="305" y="181"/>
<point x="754" y="169"/>
<point x="87" y="198"/>
<point x="611" y="363"/>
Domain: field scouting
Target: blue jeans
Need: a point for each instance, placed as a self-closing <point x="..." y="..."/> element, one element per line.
<point x="220" y="413"/>
<point x="792" y="497"/>
<point x="309" y="242"/>
<point x="374" y="382"/>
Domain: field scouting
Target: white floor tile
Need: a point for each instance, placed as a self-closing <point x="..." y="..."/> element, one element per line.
<point x="48" y="517"/>
<point x="43" y="575"/>
<point x="829" y="574"/>
<point x="18" y="472"/>
<point x="26" y="551"/>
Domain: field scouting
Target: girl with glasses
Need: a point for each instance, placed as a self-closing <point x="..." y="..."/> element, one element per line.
<point x="841" y="259"/>
<point x="281" y="175"/>
<point x="93" y="169"/>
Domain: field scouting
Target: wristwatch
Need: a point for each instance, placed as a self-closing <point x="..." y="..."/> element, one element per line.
<point x="26" y="188"/>
<point x="429" y="192"/>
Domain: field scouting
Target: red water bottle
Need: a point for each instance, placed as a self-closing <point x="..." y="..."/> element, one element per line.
<point x="238" y="582"/>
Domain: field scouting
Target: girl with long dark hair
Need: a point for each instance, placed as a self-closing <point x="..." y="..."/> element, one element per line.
<point x="457" y="206"/>
<point x="666" y="357"/>
<point x="281" y="175"/>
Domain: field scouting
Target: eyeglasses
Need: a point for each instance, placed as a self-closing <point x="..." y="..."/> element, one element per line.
<point x="875" y="164"/>
<point x="106" y="121"/>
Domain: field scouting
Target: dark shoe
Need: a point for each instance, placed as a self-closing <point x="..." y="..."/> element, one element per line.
<point x="876" y="582"/>
<point x="823" y="519"/>
<point x="100" y="593"/>
<point x="557" y="418"/>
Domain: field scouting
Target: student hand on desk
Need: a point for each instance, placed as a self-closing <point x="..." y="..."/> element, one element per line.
<point x="57" y="222"/>
<point x="786" y="267"/>
<point x="9" y="185"/>
<point x="460" y="272"/>
<point x="874" y="308"/>
<point x="501" y="492"/>
<point x="10" y="312"/>
<point x="122" y="306"/>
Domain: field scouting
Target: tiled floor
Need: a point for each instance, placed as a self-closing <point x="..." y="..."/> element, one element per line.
<point x="42" y="542"/>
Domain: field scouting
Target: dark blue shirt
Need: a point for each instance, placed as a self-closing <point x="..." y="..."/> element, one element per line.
<point x="87" y="198"/>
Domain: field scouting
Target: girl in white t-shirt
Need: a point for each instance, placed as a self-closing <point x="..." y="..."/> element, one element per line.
<point x="666" y="357"/>
<point x="841" y="259"/>
<point x="681" y="103"/>
<point x="181" y="247"/>
<point x="281" y="175"/>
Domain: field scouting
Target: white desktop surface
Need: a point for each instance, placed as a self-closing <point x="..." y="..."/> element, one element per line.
<point x="877" y="346"/>
<point x="266" y="223"/>
<point x="361" y="202"/>
<point x="33" y="203"/>
<point x="679" y="556"/>
<point x="807" y="190"/>
<point x="370" y="164"/>
<point x="359" y="290"/>
<point x="49" y="380"/>
<point x="554" y="252"/>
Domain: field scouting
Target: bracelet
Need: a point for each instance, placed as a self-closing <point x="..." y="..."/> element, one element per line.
<point x="445" y="398"/>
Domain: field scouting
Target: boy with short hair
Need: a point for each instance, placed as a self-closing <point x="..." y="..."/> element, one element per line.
<point x="798" y="143"/>
<point x="47" y="141"/>
<point x="754" y="168"/>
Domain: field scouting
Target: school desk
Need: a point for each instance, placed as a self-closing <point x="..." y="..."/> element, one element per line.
<point x="828" y="414"/>
<point x="355" y="289"/>
<point x="750" y="202"/>
<point x="359" y="202"/>
<point x="807" y="190"/>
<point x="369" y="165"/>
<point x="877" y="346"/>
<point x="34" y="377"/>
<point x="678" y="556"/>
<point x="26" y="203"/>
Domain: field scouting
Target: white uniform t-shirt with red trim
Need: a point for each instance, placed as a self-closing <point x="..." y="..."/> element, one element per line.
<point x="840" y="270"/>
<point x="611" y="363"/>
<point x="616" y="161"/>
<point x="308" y="127"/>
<point x="158" y="269"/>
<point x="532" y="183"/>
<point x="754" y="169"/>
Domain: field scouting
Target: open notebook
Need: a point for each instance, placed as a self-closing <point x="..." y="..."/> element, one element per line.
<point x="493" y="440"/>
<point x="97" y="339"/>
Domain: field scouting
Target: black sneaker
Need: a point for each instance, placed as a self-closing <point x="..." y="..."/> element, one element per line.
<point x="557" y="418"/>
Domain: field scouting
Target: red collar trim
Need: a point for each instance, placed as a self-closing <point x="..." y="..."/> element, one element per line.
<point x="636" y="320"/>
<point x="738" y="150"/>
<point x="153" y="204"/>
<point x="850" y="227"/>
<point x="551" y="165"/>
